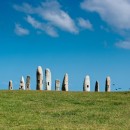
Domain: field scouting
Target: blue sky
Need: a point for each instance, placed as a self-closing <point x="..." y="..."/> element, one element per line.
<point x="79" y="37"/>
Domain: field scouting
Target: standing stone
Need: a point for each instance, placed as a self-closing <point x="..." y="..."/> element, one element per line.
<point x="57" y="85"/>
<point x="10" y="85"/>
<point x="28" y="83"/>
<point x="86" y="84"/>
<point x="22" y="84"/>
<point x="65" y="83"/>
<point x="97" y="86"/>
<point x="39" y="78"/>
<point x="48" y="79"/>
<point x="107" y="85"/>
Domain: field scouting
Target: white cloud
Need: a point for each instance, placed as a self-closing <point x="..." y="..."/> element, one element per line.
<point x="41" y="26"/>
<point x="116" y="13"/>
<point x="86" y="24"/>
<point x="26" y="8"/>
<point x="19" y="30"/>
<point x="123" y="44"/>
<point x="51" y="12"/>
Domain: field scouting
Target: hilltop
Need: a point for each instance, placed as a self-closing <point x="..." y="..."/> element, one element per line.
<point x="39" y="110"/>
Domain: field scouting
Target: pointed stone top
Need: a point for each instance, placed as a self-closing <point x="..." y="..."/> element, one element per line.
<point x="108" y="78"/>
<point x="66" y="74"/>
<point x="22" y="78"/>
<point x="39" y="69"/>
<point x="97" y="81"/>
<point x="47" y="69"/>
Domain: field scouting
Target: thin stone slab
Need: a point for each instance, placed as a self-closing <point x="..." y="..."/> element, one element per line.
<point x="47" y="79"/>
<point x="10" y="85"/>
<point x="28" y="82"/>
<point x="39" y="78"/>
<point x="65" y="83"/>
<point x="57" y="85"/>
<point x="108" y="84"/>
<point x="97" y="86"/>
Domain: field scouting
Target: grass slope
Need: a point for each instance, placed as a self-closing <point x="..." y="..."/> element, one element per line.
<point x="39" y="110"/>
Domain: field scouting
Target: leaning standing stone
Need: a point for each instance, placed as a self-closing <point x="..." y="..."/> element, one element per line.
<point x="65" y="83"/>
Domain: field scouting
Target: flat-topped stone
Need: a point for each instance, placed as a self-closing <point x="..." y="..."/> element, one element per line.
<point x="57" y="85"/>
<point x="28" y="82"/>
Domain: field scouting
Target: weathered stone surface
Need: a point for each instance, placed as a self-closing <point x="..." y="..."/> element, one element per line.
<point x="10" y="85"/>
<point x="28" y="83"/>
<point x="47" y="79"/>
<point x="22" y="84"/>
<point x="107" y="85"/>
<point x="39" y="78"/>
<point x="97" y="86"/>
<point x="86" y="84"/>
<point x="65" y="83"/>
<point x="57" y="85"/>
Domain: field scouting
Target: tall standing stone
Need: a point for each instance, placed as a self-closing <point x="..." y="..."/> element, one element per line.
<point x="10" y="85"/>
<point x="22" y="84"/>
<point x="86" y="84"/>
<point x="97" y="86"/>
<point x="47" y="79"/>
<point x="107" y="85"/>
<point x="57" y="85"/>
<point x="28" y="83"/>
<point x="65" y="83"/>
<point x="39" y="78"/>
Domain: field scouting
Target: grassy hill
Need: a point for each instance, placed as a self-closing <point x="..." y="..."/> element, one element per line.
<point x="39" y="110"/>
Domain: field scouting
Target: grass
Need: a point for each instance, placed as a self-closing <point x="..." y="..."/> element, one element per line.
<point x="42" y="110"/>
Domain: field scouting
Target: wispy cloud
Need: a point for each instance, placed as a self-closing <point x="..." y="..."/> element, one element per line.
<point x="116" y="13"/>
<point x="86" y="24"/>
<point x="19" y="30"/>
<point x="41" y="26"/>
<point x="123" y="44"/>
<point x="52" y="13"/>
<point x="26" y="8"/>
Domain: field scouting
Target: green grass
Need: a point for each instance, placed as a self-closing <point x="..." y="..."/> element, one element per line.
<point x="42" y="110"/>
